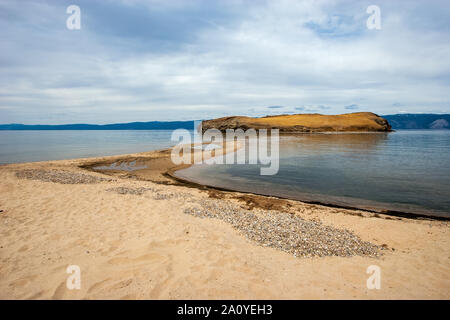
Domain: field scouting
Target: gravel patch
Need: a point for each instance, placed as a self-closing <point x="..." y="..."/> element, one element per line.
<point x="171" y="195"/>
<point x="157" y="194"/>
<point x="59" y="176"/>
<point x="127" y="190"/>
<point x="287" y="232"/>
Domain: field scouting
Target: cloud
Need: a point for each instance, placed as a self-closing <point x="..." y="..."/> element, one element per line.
<point x="169" y="60"/>
<point x="352" y="107"/>
<point x="307" y="109"/>
<point x="275" y="107"/>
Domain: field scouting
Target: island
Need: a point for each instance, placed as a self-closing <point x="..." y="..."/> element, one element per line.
<point x="304" y="123"/>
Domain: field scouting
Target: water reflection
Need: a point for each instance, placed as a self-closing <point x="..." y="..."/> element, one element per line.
<point x="326" y="143"/>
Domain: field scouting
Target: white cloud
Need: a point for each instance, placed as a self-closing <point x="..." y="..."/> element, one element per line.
<point x="240" y="59"/>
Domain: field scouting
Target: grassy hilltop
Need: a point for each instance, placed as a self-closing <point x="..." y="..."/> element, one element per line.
<point x="299" y="123"/>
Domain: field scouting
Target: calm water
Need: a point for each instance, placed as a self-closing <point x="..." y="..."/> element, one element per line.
<point x="406" y="171"/>
<point x="26" y="146"/>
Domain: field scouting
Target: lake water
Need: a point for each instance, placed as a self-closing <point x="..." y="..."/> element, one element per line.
<point x="26" y="146"/>
<point x="407" y="171"/>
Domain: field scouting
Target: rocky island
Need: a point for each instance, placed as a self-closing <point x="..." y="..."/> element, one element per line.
<point x="305" y="123"/>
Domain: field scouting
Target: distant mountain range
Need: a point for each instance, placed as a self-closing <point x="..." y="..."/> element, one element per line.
<point x="397" y="121"/>
<point x="152" y="125"/>
<point x="419" y="121"/>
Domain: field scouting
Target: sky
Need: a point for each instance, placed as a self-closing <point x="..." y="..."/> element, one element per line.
<point x="135" y="60"/>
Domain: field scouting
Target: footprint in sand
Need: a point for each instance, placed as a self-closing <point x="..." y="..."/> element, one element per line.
<point x="22" y="282"/>
<point x="98" y="285"/>
<point x="23" y="248"/>
<point x="122" y="284"/>
<point x="60" y="291"/>
<point x="37" y="295"/>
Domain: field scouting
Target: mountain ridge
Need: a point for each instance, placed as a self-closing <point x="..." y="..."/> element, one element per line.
<point x="419" y="121"/>
<point x="397" y="121"/>
<point x="150" y="125"/>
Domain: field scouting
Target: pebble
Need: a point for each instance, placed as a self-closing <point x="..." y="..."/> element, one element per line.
<point x="59" y="176"/>
<point x="171" y="195"/>
<point x="286" y="232"/>
<point x="157" y="194"/>
<point x="127" y="190"/>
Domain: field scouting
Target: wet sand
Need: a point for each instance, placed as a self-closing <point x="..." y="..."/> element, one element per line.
<point x="140" y="234"/>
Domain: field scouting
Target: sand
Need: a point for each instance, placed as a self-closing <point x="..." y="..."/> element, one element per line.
<point x="131" y="237"/>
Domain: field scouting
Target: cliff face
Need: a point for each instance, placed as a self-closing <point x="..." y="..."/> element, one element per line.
<point x="305" y="123"/>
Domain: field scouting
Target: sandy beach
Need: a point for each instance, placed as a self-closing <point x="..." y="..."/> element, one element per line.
<point x="143" y="235"/>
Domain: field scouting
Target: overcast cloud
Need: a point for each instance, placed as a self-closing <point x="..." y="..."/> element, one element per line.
<point x="179" y="60"/>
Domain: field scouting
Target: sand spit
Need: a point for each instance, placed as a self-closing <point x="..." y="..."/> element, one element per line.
<point x="140" y="235"/>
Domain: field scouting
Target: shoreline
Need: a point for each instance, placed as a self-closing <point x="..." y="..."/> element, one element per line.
<point x="168" y="170"/>
<point x="401" y="214"/>
<point x="144" y="235"/>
